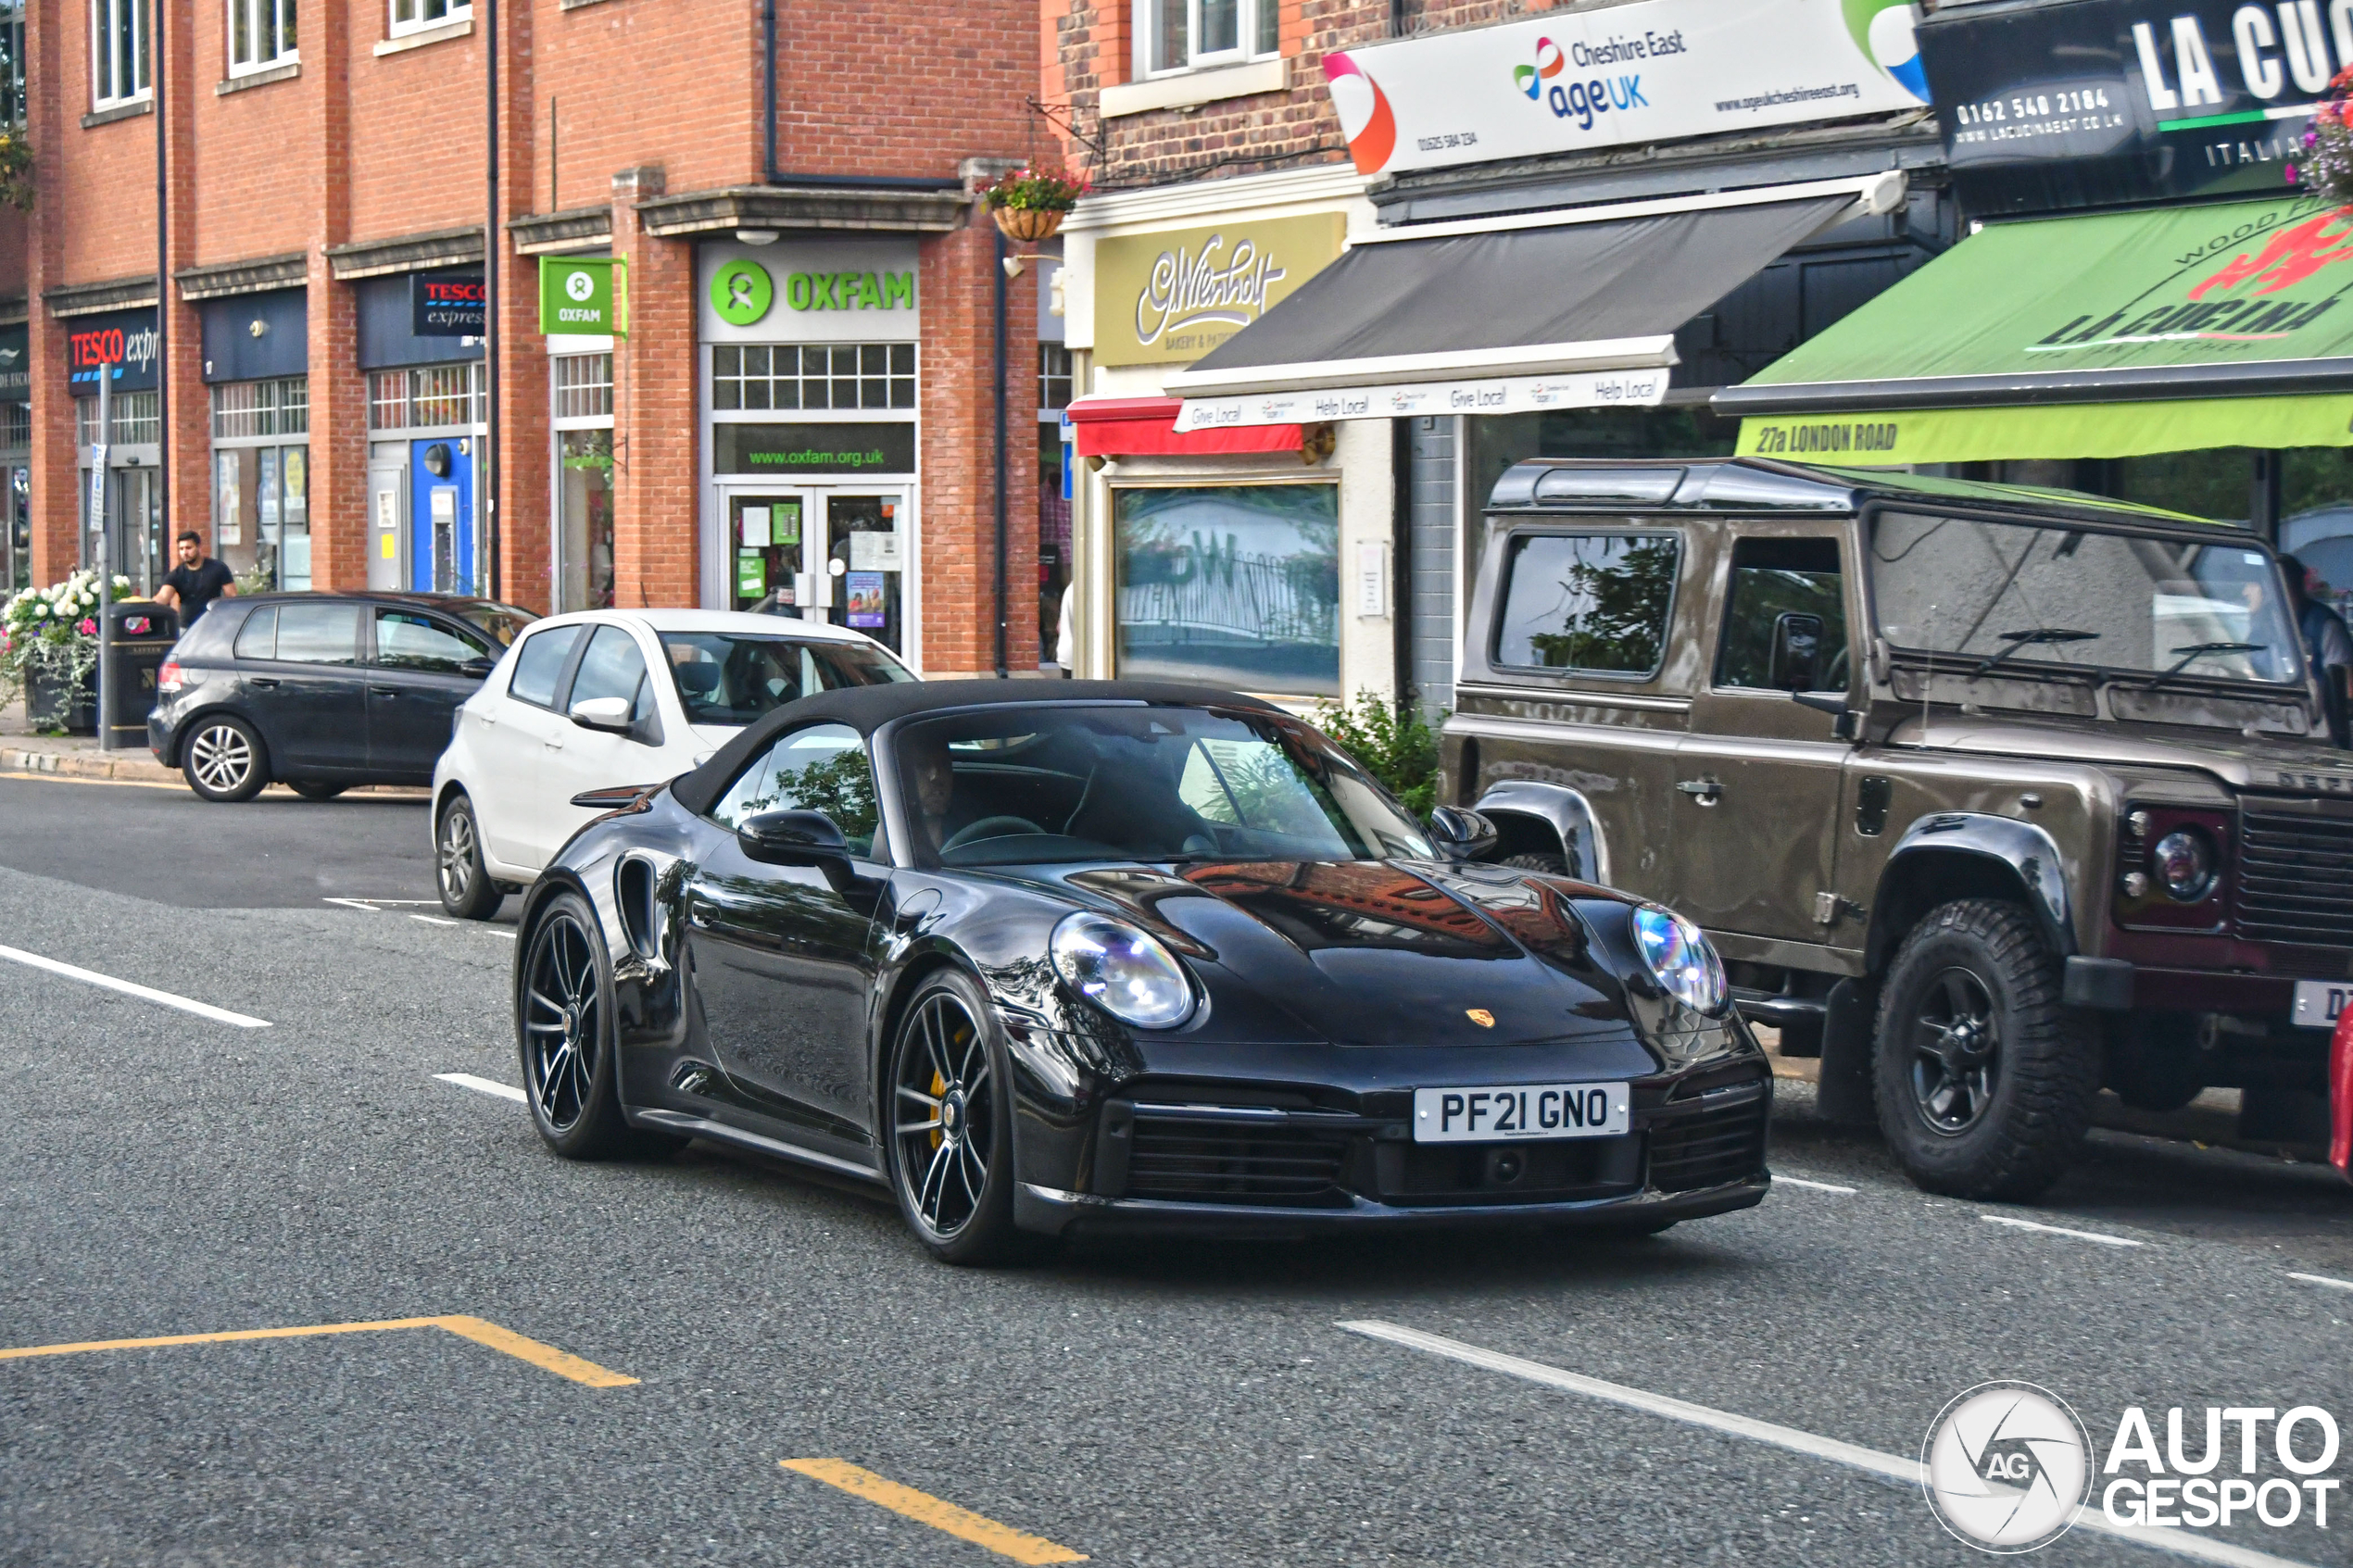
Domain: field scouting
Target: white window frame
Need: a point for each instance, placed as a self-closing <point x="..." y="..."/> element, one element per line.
<point x="406" y="16"/>
<point x="277" y="19"/>
<point x="1249" y="15"/>
<point x="107" y="18"/>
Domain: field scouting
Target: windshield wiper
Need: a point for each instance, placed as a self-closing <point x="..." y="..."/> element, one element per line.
<point x="2192" y="652"/>
<point x="2031" y="638"/>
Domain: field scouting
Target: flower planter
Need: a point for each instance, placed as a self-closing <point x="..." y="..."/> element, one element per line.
<point x="48" y="705"/>
<point x="1027" y="225"/>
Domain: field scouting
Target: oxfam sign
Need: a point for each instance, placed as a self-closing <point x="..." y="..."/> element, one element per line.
<point x="821" y="291"/>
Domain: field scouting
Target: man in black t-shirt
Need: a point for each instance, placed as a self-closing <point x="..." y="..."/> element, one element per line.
<point x="197" y="581"/>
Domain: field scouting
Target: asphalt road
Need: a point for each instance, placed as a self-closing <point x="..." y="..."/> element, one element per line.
<point x="163" y="1173"/>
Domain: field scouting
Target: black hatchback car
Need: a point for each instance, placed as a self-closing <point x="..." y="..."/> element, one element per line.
<point x="323" y="691"/>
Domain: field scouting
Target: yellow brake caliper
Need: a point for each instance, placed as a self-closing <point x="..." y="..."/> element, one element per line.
<point x="939" y="1093"/>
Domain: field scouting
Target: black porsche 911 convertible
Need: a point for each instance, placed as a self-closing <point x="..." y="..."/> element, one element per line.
<point x="1090" y="957"/>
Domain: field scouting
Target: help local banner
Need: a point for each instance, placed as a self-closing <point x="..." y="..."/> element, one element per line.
<point x="1501" y="395"/>
<point x="1648" y="72"/>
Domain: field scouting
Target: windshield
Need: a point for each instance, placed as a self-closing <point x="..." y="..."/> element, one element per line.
<point x="1049" y="785"/>
<point x="2049" y="594"/>
<point x="504" y="623"/>
<point x="734" y="677"/>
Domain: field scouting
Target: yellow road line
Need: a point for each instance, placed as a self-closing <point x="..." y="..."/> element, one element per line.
<point x="963" y="1523"/>
<point x="119" y="783"/>
<point x="544" y="1357"/>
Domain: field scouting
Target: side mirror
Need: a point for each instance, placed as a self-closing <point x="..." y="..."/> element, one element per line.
<point x="611" y="714"/>
<point x="1797" y="651"/>
<point x="477" y="669"/>
<point x="797" y="839"/>
<point x="1461" y="834"/>
<point x="1846" y="724"/>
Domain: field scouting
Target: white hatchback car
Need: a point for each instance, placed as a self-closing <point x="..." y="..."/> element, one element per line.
<point x="607" y="698"/>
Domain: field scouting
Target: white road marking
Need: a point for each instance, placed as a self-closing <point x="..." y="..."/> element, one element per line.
<point x="1908" y="1472"/>
<point x="435" y="919"/>
<point x="373" y="905"/>
<point x="354" y="904"/>
<point x="90" y="976"/>
<point x="481" y="1086"/>
<point x="2322" y="1279"/>
<point x="1781" y="1181"/>
<point x="2061" y="1230"/>
<point x="502" y="935"/>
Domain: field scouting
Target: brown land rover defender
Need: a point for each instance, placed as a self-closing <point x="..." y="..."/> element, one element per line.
<point x="1990" y="795"/>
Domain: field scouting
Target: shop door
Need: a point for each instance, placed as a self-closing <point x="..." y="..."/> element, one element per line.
<point x="441" y="516"/>
<point x="864" y="563"/>
<point x="767" y="534"/>
<point x="134" y="524"/>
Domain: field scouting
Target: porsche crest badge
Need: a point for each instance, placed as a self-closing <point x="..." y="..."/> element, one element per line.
<point x="1480" y="1016"/>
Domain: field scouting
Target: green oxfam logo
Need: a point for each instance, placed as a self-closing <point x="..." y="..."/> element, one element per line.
<point x="741" y="292"/>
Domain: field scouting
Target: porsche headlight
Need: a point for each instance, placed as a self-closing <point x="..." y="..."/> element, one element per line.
<point x="1122" y="970"/>
<point x="1681" y="956"/>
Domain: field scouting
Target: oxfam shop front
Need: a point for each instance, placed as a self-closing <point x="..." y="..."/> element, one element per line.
<point x="808" y="365"/>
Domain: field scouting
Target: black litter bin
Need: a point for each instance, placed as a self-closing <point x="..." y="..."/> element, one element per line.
<point x="144" y="633"/>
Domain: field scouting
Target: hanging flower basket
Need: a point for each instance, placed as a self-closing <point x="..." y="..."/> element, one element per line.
<point x="1027" y="225"/>
<point x="2325" y="167"/>
<point x="1029" y="204"/>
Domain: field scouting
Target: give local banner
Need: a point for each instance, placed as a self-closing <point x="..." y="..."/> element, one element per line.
<point x="1654" y="71"/>
<point x="1498" y="395"/>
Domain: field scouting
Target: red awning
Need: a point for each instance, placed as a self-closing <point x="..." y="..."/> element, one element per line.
<point x="1133" y="427"/>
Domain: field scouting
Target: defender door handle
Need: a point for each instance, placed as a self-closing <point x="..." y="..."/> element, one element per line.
<point x="383" y="691"/>
<point x="1707" y="792"/>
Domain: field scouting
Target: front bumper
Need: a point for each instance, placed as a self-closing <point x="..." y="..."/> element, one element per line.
<point x="1052" y="1213"/>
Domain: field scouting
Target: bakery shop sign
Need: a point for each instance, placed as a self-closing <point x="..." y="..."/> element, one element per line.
<point x="1172" y="296"/>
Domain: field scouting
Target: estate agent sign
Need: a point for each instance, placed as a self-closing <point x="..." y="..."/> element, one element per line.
<point x="1648" y="72"/>
<point x="1170" y="297"/>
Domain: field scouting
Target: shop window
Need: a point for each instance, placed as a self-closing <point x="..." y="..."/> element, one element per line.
<point x="2218" y="483"/>
<point x="16" y="427"/>
<point x="118" y="52"/>
<point x="1594" y="602"/>
<point x="583" y="386"/>
<point x="427" y="398"/>
<point x="1054" y="539"/>
<point x="1053" y="376"/>
<point x="753" y="378"/>
<point x="11" y="62"/>
<point x="261" y="33"/>
<point x="1189" y="34"/>
<point x="1229" y="585"/>
<point x="262" y="513"/>
<point x="248" y="409"/>
<point x="415" y="16"/>
<point x="138" y="420"/>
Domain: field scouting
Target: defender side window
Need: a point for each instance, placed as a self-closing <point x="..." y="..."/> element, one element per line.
<point x="1588" y="601"/>
<point x="1772" y="577"/>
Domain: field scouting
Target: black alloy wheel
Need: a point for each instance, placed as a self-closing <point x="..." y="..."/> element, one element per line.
<point x="1957" y="1047"/>
<point x="951" y="1154"/>
<point x="564" y="1028"/>
<point x="462" y="880"/>
<point x="223" y="759"/>
<point x="1985" y="1080"/>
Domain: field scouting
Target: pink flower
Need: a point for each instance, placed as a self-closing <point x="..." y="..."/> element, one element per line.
<point x="88" y="628"/>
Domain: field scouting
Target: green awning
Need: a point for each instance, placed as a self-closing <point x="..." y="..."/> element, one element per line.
<point x="2107" y="334"/>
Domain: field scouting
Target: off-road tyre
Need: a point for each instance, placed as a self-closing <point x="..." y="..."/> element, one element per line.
<point x="2154" y="1062"/>
<point x="2044" y="1071"/>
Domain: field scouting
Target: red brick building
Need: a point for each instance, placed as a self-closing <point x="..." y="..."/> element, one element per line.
<point x="820" y="427"/>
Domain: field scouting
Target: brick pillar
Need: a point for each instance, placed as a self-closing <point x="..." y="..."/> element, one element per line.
<point x="958" y="516"/>
<point x="339" y="521"/>
<point x="657" y="466"/>
<point x="54" y="511"/>
<point x="188" y="422"/>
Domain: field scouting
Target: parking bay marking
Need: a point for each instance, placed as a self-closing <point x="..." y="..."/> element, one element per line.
<point x="129" y="989"/>
<point x="1780" y="1180"/>
<point x="1908" y="1472"/>
<point x="482" y="1085"/>
<point x="544" y="1357"/>
<point x="2105" y="1240"/>
<point x="924" y="1509"/>
<point x="2322" y="1279"/>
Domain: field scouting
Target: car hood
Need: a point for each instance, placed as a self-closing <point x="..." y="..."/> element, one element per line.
<point x="1383" y="953"/>
<point x="2237" y="759"/>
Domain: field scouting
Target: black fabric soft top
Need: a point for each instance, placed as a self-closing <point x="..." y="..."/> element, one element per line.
<point x="867" y="709"/>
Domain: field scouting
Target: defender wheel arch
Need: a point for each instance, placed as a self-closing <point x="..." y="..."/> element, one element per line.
<point x="1969" y="855"/>
<point x="1542" y="819"/>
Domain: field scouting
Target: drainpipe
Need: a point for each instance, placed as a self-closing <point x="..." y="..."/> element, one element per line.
<point x="775" y="176"/>
<point x="487" y="470"/>
<point x="999" y="401"/>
